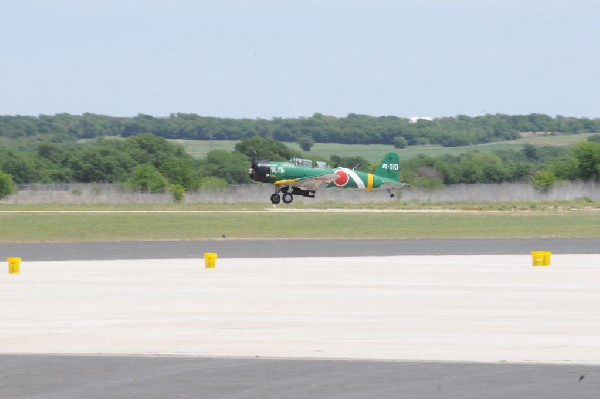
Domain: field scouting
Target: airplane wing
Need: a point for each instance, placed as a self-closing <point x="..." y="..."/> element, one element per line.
<point x="309" y="183"/>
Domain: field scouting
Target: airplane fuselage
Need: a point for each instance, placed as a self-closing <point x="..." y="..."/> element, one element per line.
<point x="282" y="173"/>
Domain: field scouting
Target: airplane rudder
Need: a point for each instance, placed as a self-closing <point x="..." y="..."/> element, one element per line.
<point x="389" y="166"/>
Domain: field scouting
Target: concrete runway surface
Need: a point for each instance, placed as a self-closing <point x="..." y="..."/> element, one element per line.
<point x="389" y="326"/>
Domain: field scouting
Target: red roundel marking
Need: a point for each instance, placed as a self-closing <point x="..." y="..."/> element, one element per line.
<point x="342" y="180"/>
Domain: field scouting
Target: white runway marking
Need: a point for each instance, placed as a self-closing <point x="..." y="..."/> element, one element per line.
<point x="449" y="308"/>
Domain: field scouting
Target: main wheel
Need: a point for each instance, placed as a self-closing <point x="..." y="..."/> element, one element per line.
<point x="275" y="198"/>
<point x="287" y="198"/>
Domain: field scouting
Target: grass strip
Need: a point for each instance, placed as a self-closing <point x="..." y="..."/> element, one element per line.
<point x="575" y="204"/>
<point x="34" y="227"/>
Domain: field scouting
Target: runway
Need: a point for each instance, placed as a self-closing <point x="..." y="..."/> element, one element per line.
<point x="460" y="326"/>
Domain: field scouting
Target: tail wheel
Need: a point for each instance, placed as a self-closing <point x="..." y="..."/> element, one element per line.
<point x="287" y="198"/>
<point x="275" y="198"/>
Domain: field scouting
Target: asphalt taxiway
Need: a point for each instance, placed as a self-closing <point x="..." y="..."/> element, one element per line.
<point x="143" y="377"/>
<point x="293" y="248"/>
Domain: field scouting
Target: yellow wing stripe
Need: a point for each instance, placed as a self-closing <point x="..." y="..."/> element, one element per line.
<point x="369" y="182"/>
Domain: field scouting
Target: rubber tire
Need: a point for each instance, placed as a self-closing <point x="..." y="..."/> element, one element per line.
<point x="275" y="198"/>
<point x="287" y="198"/>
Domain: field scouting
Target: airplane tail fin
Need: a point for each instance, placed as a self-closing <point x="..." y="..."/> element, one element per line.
<point x="389" y="167"/>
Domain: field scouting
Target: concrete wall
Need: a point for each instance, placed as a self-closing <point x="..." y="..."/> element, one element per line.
<point x="109" y="193"/>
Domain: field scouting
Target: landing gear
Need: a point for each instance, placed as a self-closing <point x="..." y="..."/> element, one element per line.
<point x="286" y="194"/>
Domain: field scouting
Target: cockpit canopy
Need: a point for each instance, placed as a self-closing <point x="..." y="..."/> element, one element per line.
<point x="307" y="163"/>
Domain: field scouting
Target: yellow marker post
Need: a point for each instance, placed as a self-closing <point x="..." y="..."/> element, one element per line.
<point x="14" y="265"/>
<point x="541" y="258"/>
<point x="210" y="260"/>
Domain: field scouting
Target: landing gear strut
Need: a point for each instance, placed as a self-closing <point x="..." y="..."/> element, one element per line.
<point x="287" y="197"/>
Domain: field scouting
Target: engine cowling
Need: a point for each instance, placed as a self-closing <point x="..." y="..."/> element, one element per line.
<point x="260" y="171"/>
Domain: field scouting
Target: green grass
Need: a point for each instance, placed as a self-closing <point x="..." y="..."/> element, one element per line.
<point x="35" y="227"/>
<point x="374" y="152"/>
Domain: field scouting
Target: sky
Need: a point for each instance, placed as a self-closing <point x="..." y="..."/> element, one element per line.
<point x="294" y="58"/>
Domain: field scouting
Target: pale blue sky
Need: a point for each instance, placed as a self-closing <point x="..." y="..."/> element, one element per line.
<point x="278" y="58"/>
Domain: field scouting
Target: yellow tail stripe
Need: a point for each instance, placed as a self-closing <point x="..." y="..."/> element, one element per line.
<point x="369" y="182"/>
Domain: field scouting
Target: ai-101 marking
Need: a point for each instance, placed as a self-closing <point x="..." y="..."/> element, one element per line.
<point x="299" y="177"/>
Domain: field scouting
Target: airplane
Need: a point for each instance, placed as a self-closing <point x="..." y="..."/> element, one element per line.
<point x="298" y="177"/>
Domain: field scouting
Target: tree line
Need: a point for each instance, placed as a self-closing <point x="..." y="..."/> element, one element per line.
<point x="541" y="166"/>
<point x="353" y="129"/>
<point x="146" y="162"/>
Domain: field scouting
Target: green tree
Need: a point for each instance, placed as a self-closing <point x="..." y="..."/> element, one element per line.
<point x="229" y="166"/>
<point x="306" y="142"/>
<point x="177" y="192"/>
<point x="265" y="148"/>
<point x="168" y="158"/>
<point x="594" y="138"/>
<point x="7" y="186"/>
<point x="52" y="162"/>
<point x="530" y="152"/>
<point x="588" y="158"/>
<point x="146" y="148"/>
<point x="481" y="167"/>
<point x="543" y="181"/>
<point x="354" y="128"/>
<point x="564" y="168"/>
<point x="105" y="162"/>
<point x="20" y="166"/>
<point x="400" y="142"/>
<point x="146" y="178"/>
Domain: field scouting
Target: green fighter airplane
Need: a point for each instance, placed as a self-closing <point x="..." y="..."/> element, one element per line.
<point x="299" y="177"/>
